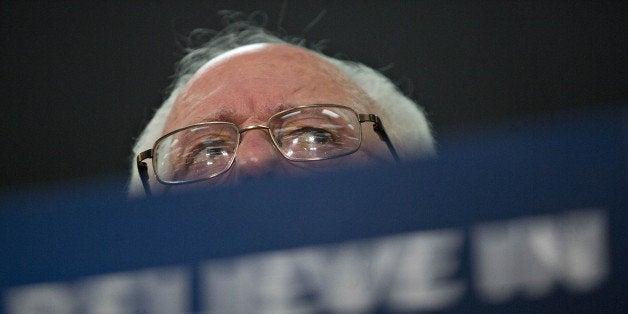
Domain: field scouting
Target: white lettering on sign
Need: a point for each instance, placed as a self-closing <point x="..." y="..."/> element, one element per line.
<point x="531" y="255"/>
<point x="41" y="298"/>
<point x="162" y="290"/>
<point x="524" y="258"/>
<point x="409" y="272"/>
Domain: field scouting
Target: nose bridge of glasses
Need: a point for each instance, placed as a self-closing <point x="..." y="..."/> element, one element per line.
<point x="253" y="127"/>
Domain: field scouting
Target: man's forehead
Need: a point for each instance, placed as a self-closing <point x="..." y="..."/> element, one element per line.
<point x="232" y="53"/>
<point x="253" y="82"/>
<point x="231" y="114"/>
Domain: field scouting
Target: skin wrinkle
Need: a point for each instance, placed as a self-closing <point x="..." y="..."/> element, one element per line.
<point x="225" y="115"/>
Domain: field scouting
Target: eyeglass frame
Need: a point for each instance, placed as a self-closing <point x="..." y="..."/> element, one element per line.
<point x="142" y="167"/>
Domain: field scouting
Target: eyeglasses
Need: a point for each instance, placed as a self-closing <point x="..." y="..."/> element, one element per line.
<point x="205" y="150"/>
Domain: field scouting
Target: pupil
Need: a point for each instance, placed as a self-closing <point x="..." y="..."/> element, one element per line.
<point x="318" y="137"/>
<point x="213" y="151"/>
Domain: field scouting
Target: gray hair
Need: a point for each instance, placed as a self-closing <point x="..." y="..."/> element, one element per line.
<point x="404" y="120"/>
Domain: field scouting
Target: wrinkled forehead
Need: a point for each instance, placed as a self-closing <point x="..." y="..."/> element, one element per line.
<point x="258" y="80"/>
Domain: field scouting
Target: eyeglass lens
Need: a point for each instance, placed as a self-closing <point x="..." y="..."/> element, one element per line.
<point x="315" y="133"/>
<point x="196" y="153"/>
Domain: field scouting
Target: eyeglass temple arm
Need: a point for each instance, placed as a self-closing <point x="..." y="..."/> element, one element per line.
<point x="142" y="168"/>
<point x="378" y="127"/>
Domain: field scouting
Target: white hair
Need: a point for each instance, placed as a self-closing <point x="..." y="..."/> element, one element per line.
<point x="404" y="121"/>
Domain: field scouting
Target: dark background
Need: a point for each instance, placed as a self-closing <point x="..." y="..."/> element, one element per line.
<point x="80" y="79"/>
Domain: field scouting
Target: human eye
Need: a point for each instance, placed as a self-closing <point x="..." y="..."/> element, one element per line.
<point x="195" y="152"/>
<point x="314" y="133"/>
<point x="307" y="142"/>
<point x="206" y="150"/>
<point x="311" y="136"/>
<point x="205" y="158"/>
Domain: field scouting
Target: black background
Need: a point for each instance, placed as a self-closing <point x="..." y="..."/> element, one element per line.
<point x="80" y="79"/>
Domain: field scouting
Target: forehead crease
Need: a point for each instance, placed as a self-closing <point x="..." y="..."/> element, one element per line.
<point x="272" y="110"/>
<point x="227" y="114"/>
<point x="224" y="114"/>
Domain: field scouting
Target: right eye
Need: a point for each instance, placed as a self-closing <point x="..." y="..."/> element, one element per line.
<point x="196" y="152"/>
<point x="206" y="151"/>
<point x="214" y="151"/>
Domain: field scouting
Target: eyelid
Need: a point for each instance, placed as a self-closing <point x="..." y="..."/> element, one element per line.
<point x="331" y="131"/>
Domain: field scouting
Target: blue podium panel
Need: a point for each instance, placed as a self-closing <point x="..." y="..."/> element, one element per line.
<point x="529" y="217"/>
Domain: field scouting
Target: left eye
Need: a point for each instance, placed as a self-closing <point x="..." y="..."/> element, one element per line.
<point x="311" y="136"/>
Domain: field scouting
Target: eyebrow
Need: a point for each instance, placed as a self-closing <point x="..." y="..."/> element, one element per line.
<point x="222" y="115"/>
